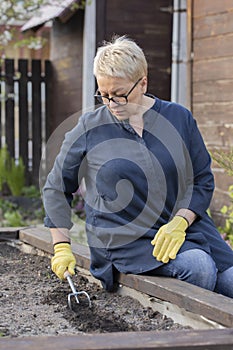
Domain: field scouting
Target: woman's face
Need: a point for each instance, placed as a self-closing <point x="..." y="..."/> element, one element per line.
<point x="115" y="87"/>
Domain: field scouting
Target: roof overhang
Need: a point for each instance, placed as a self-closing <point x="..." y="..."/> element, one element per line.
<point x="62" y="10"/>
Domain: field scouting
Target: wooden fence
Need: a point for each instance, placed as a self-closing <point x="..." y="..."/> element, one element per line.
<point x="25" y="110"/>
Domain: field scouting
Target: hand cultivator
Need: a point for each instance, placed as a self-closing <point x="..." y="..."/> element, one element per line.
<point x="74" y="291"/>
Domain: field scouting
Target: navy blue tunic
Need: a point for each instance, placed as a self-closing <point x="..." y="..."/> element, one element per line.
<point x="134" y="185"/>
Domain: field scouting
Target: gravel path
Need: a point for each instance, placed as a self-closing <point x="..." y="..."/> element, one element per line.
<point x="34" y="302"/>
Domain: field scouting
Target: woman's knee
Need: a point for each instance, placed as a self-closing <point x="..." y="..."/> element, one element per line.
<point x="197" y="267"/>
<point x="224" y="284"/>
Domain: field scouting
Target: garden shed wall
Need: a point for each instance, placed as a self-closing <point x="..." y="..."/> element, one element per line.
<point x="66" y="56"/>
<point x="212" y="81"/>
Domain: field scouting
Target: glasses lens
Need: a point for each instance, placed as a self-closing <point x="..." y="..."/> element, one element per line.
<point x="105" y="100"/>
<point x="120" y="100"/>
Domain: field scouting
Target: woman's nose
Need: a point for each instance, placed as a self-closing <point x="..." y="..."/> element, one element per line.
<point x="112" y="103"/>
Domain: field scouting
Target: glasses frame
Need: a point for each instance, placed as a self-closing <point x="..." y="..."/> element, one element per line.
<point x="112" y="98"/>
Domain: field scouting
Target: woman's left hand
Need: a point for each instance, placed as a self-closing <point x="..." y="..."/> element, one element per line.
<point x="169" y="239"/>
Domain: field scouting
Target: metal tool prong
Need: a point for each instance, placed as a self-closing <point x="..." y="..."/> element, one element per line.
<point x="74" y="291"/>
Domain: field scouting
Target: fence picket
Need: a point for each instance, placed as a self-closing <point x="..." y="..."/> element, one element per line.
<point x="48" y="95"/>
<point x="10" y="105"/>
<point x="24" y="111"/>
<point x="36" y="117"/>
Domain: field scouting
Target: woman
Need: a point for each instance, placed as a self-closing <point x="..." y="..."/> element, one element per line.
<point x="148" y="183"/>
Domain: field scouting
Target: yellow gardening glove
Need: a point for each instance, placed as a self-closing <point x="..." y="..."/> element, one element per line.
<point x="63" y="260"/>
<point x="169" y="239"/>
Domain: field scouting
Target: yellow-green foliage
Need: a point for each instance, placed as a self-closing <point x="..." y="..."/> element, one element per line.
<point x="13" y="219"/>
<point x="16" y="179"/>
<point x="11" y="173"/>
<point x="224" y="159"/>
<point x="4" y="166"/>
<point x="227" y="211"/>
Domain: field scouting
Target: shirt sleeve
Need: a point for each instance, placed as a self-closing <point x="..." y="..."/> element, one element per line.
<point x="64" y="178"/>
<point x="203" y="180"/>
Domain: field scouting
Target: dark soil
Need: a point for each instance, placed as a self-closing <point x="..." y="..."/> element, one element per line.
<point x="34" y="302"/>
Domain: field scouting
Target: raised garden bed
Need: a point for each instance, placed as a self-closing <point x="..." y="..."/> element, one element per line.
<point x="34" y="313"/>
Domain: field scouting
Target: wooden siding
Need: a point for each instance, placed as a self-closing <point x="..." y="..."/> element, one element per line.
<point x="149" y="23"/>
<point x="66" y="57"/>
<point x="212" y="78"/>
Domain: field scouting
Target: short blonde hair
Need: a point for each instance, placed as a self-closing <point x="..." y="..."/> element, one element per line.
<point x="122" y="58"/>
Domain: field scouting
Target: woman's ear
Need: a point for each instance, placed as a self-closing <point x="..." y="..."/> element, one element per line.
<point x="144" y="83"/>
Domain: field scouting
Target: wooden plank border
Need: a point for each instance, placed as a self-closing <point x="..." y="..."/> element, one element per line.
<point x="164" y="288"/>
<point x="8" y="233"/>
<point x="179" y="340"/>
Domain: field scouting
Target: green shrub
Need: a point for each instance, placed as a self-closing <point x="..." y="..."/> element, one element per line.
<point x="4" y="166"/>
<point x="11" y="173"/>
<point x="13" y="219"/>
<point x="6" y="205"/>
<point x="16" y="177"/>
<point x="227" y="211"/>
<point x="225" y="161"/>
<point x="31" y="192"/>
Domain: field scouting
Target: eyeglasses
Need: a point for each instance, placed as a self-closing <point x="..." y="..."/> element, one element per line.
<point x="119" y="100"/>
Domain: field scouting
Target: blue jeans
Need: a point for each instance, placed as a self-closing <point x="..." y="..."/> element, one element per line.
<point x="197" y="267"/>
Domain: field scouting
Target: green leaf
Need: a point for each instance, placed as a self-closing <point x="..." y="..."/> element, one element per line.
<point x="14" y="219"/>
<point x="224" y="209"/>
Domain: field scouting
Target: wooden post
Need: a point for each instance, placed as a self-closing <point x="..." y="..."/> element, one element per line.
<point x="36" y="120"/>
<point x="48" y="95"/>
<point x="23" y="114"/>
<point x="10" y="104"/>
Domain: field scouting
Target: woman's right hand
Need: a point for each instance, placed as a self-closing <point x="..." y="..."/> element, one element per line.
<point x="63" y="260"/>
